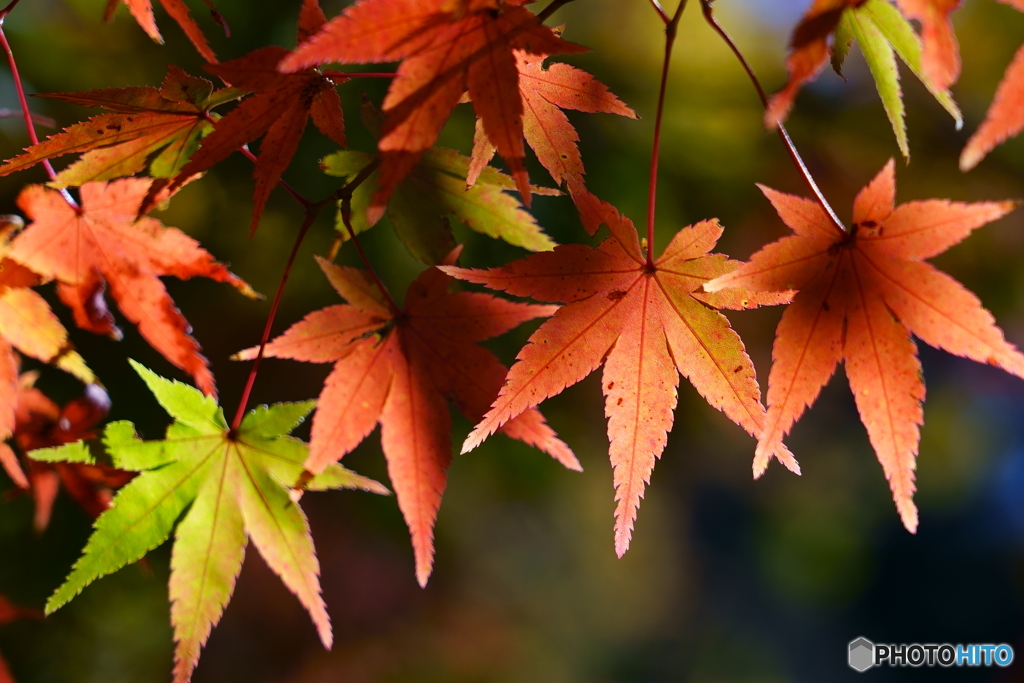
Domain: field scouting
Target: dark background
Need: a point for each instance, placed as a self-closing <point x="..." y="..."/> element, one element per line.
<point x="727" y="579"/>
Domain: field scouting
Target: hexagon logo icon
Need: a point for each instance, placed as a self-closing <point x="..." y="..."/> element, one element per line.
<point x="862" y="654"/>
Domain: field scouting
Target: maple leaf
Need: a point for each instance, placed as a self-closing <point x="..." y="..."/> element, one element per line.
<point x="861" y="295"/>
<point x="235" y="486"/>
<point x="160" y="127"/>
<point x="1005" y="117"/>
<point x="102" y="243"/>
<point x="40" y="423"/>
<point x="446" y="48"/>
<point x="882" y="33"/>
<point x="434" y="191"/>
<point x="142" y="11"/>
<point x="396" y="368"/>
<point x="28" y="325"/>
<point x="9" y="613"/>
<point x="646" y="325"/>
<point x="941" y="57"/>
<point x="545" y="93"/>
<point x="279" y="109"/>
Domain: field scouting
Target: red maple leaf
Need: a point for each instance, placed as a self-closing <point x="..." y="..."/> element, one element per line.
<point x="1005" y="117"/>
<point x="142" y="11"/>
<point x="28" y="325"/>
<point x="861" y="295"/>
<point x="397" y="368"/>
<point x="160" y="127"/>
<point x="809" y="51"/>
<point x="446" y="48"/>
<point x="646" y="325"/>
<point x="941" y="55"/>
<point x="279" y="109"/>
<point x="545" y="93"/>
<point x="102" y="243"/>
<point x="40" y="423"/>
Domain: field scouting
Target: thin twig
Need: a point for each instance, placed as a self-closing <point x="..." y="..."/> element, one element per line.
<point x="7" y="10"/>
<point x="661" y="11"/>
<point x="794" y="154"/>
<point x="346" y="218"/>
<point x="652" y="190"/>
<point x="243" y="402"/>
<point x="311" y="211"/>
<point x="344" y="195"/>
<point x="296" y="195"/>
<point x="39" y="119"/>
<point x="25" y="113"/>
<point x="334" y="74"/>
<point x="361" y="177"/>
<point x="555" y="5"/>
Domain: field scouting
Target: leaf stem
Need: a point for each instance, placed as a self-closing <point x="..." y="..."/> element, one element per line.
<point x="306" y="204"/>
<point x="25" y="113"/>
<point x="555" y="5"/>
<point x="794" y="154"/>
<point x="311" y="211"/>
<point x="243" y="402"/>
<point x="7" y="10"/>
<point x="671" y="27"/>
<point x="661" y="11"/>
<point x="336" y="75"/>
<point x="344" y="195"/>
<point x="39" y="119"/>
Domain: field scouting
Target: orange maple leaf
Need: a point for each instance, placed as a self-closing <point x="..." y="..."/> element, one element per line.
<point x="159" y="126"/>
<point x="280" y="108"/>
<point x="396" y="368"/>
<point x="101" y="243"/>
<point x="142" y="11"/>
<point x="26" y="324"/>
<point x="809" y="51"/>
<point x="941" y="58"/>
<point x="545" y="93"/>
<point x="1005" y="117"/>
<point x="861" y="295"/>
<point x="646" y="325"/>
<point x="40" y="423"/>
<point x="446" y="48"/>
<point x="941" y="54"/>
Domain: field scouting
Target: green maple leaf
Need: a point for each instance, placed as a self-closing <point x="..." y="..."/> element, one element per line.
<point x="230" y="485"/>
<point x="882" y="33"/>
<point x="435" y="191"/>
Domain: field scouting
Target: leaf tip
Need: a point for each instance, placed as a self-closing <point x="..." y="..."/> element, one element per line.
<point x="424" y="566"/>
<point x="908" y="515"/>
<point x="373" y="214"/>
<point x="475" y="438"/>
<point x="622" y="538"/>
<point x="971" y="156"/>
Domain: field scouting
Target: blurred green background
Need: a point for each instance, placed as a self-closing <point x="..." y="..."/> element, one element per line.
<point x="728" y="579"/>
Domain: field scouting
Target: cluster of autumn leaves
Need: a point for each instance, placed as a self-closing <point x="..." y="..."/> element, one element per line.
<point x="855" y="294"/>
